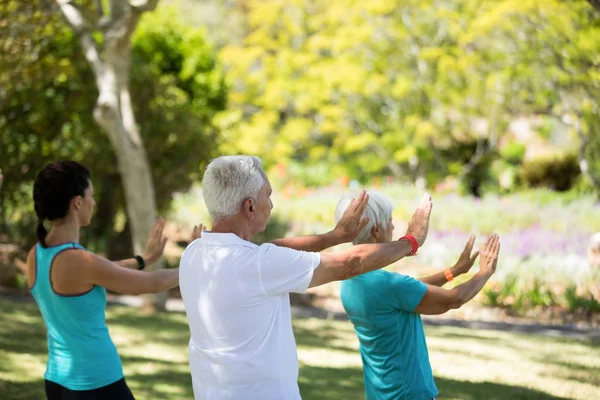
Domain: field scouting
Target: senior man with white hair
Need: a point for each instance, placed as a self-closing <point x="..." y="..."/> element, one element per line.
<point x="385" y="309"/>
<point x="236" y="294"/>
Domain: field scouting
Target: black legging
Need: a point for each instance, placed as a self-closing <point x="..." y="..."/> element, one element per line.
<point x="115" y="391"/>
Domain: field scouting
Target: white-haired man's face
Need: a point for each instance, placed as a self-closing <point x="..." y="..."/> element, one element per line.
<point x="264" y="205"/>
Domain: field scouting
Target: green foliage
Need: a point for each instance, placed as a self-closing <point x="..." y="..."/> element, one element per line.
<point x="558" y="171"/>
<point x="382" y="88"/>
<point x="177" y="88"/>
<point x="576" y="302"/>
<point x="276" y="228"/>
<point x="515" y="294"/>
<point x="513" y="153"/>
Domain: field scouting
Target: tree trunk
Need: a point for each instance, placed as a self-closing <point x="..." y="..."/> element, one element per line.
<point x="114" y="113"/>
<point x="584" y="164"/>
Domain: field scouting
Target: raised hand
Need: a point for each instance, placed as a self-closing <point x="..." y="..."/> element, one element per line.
<point x="352" y="222"/>
<point x="156" y="242"/>
<point x="197" y="231"/>
<point x="466" y="260"/>
<point x="418" y="226"/>
<point x="489" y="255"/>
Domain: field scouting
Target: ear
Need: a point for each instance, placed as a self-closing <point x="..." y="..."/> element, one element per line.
<point x="249" y="207"/>
<point x="76" y="202"/>
<point x="375" y="231"/>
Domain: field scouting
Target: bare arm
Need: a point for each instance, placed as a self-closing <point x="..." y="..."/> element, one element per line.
<point x="99" y="271"/>
<point x="438" y="301"/>
<point x="314" y="243"/>
<point x="346" y="230"/>
<point x="438" y="279"/>
<point x="130" y="263"/>
<point x="358" y="260"/>
<point x="369" y="257"/>
<point x="155" y="247"/>
<point x="462" y="266"/>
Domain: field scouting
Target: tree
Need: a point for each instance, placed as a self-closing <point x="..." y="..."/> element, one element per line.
<point x="554" y="72"/>
<point x="423" y="89"/>
<point x="364" y="88"/>
<point x="114" y="110"/>
<point x="177" y="88"/>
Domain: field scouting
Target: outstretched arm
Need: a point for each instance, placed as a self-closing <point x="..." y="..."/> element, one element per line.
<point x="348" y="227"/>
<point x="154" y="247"/>
<point x="438" y="301"/>
<point x="364" y="258"/>
<point x="462" y="266"/>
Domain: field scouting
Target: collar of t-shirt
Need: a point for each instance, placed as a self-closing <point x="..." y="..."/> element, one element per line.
<point x="224" y="239"/>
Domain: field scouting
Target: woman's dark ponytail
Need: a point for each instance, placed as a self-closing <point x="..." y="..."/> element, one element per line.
<point x="41" y="232"/>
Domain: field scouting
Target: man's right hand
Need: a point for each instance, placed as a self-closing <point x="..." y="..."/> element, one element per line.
<point x="488" y="255"/>
<point x="418" y="226"/>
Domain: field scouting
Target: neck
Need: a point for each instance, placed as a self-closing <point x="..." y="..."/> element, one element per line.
<point x="63" y="230"/>
<point x="234" y="225"/>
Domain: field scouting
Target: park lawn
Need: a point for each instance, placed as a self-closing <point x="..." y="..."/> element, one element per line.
<point x="468" y="364"/>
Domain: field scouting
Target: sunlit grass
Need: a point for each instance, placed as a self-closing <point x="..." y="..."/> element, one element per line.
<point x="468" y="364"/>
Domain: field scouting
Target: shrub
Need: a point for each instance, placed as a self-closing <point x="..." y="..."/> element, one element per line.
<point x="557" y="171"/>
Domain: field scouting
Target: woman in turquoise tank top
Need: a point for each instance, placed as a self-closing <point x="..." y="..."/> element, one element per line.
<point x="69" y="285"/>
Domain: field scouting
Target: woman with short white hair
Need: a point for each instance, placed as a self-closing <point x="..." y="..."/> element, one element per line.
<point x="385" y="309"/>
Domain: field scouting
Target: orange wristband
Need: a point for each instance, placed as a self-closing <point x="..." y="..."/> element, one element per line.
<point x="448" y="274"/>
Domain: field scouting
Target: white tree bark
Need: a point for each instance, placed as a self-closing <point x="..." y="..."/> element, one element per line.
<point x="114" y="111"/>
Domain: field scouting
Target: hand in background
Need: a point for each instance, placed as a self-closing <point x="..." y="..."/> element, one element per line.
<point x="489" y="255"/>
<point x="197" y="232"/>
<point x="466" y="260"/>
<point x="352" y="222"/>
<point x="418" y="226"/>
<point x="156" y="242"/>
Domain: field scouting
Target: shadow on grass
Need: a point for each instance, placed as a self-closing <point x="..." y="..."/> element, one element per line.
<point x="167" y="383"/>
<point x="322" y="338"/>
<point x="29" y="390"/>
<point x="18" y="321"/>
<point x="346" y="383"/>
<point x="164" y="322"/>
<point x="462" y="390"/>
<point x="330" y="383"/>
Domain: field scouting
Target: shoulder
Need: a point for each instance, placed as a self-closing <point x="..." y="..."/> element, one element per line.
<point x="407" y="284"/>
<point x="272" y="252"/>
<point x="31" y="254"/>
<point x="75" y="256"/>
<point x="397" y="277"/>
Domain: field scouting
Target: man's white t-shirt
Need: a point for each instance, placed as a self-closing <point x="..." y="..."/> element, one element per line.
<point x="236" y="297"/>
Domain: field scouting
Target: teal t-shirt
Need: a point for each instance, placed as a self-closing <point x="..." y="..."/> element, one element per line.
<point x="380" y="305"/>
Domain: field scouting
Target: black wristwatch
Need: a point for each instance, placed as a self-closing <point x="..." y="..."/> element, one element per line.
<point x="141" y="262"/>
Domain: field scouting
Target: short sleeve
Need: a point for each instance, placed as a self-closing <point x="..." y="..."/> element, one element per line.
<point x="405" y="292"/>
<point x="283" y="270"/>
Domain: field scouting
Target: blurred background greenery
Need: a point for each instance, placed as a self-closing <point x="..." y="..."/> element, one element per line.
<point x="492" y="106"/>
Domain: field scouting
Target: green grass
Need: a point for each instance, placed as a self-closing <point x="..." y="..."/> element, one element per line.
<point x="468" y="364"/>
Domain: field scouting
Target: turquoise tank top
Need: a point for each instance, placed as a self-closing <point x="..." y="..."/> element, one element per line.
<point x="81" y="354"/>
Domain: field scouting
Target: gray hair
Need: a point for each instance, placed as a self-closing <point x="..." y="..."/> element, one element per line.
<point x="378" y="210"/>
<point x="228" y="181"/>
